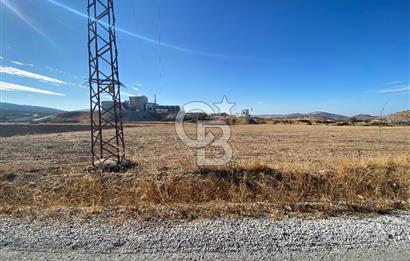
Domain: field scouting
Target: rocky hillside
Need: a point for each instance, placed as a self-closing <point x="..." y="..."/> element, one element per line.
<point x="403" y="116"/>
<point x="10" y="112"/>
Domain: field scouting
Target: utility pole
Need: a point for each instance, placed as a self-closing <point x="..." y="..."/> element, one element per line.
<point x="107" y="136"/>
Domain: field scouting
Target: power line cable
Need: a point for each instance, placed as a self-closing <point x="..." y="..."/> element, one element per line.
<point x="160" y="60"/>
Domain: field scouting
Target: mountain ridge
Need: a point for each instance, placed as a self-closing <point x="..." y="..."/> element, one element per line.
<point x="5" y="106"/>
<point x="311" y="115"/>
<point x="26" y="110"/>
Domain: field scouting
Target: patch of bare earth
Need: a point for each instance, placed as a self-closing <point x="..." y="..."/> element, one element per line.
<point x="277" y="171"/>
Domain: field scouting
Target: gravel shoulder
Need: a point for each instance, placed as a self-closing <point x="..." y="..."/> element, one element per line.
<point x="384" y="237"/>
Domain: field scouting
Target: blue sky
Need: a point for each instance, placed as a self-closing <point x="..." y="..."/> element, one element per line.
<point x="343" y="56"/>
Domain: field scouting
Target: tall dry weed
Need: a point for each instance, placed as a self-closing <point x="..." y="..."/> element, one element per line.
<point x="373" y="185"/>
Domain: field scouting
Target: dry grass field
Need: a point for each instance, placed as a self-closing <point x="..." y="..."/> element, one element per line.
<point x="277" y="170"/>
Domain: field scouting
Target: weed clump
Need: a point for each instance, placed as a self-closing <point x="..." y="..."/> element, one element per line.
<point x="250" y="189"/>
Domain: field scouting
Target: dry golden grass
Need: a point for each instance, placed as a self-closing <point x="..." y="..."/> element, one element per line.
<point x="253" y="189"/>
<point x="277" y="171"/>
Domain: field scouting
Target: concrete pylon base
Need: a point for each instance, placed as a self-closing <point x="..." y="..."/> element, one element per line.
<point x="111" y="165"/>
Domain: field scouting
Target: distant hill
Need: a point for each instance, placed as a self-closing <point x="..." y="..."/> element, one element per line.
<point x="319" y="115"/>
<point x="4" y="106"/>
<point x="395" y="118"/>
<point x="10" y="112"/>
<point x="280" y="116"/>
<point x="403" y="116"/>
<point x="325" y="116"/>
<point x="71" y="116"/>
<point x="364" y="117"/>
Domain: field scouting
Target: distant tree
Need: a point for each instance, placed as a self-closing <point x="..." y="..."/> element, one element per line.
<point x="353" y="120"/>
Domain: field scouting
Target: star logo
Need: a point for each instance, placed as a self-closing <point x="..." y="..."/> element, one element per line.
<point x="225" y="106"/>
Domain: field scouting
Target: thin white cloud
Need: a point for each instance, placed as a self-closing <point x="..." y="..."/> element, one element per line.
<point x="55" y="70"/>
<point x="7" y="86"/>
<point x="22" y="16"/>
<point x="1" y="57"/>
<point x="26" y="74"/>
<point x="156" y="42"/>
<point x="395" y="82"/>
<point x="76" y="85"/>
<point x="127" y="94"/>
<point x="22" y="64"/>
<point x="52" y="69"/>
<point x="135" y="88"/>
<point x="395" y="90"/>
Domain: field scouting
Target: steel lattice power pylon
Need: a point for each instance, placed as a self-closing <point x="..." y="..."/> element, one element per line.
<point x="107" y="136"/>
